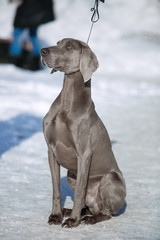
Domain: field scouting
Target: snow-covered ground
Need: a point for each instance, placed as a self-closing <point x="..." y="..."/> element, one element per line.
<point x="126" y="92"/>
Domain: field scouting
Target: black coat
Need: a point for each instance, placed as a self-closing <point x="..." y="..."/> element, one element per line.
<point x="32" y="13"/>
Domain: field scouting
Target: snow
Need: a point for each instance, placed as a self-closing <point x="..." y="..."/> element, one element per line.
<point x="126" y="92"/>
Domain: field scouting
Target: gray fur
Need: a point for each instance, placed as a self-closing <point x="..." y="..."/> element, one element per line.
<point x="78" y="140"/>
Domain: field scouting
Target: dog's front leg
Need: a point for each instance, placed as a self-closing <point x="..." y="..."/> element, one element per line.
<point x="80" y="191"/>
<point x="56" y="215"/>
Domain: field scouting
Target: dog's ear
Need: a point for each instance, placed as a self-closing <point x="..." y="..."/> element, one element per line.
<point x="88" y="62"/>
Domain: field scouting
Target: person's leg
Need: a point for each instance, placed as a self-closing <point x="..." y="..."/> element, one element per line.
<point x="34" y="40"/>
<point x="16" y="45"/>
<point x="33" y="59"/>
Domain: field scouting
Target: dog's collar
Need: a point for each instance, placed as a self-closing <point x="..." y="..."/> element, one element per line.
<point x="72" y="72"/>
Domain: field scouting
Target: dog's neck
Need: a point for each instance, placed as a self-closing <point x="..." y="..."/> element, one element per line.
<point x="86" y="84"/>
<point x="75" y="90"/>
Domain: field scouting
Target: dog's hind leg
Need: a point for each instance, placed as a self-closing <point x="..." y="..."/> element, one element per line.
<point x="112" y="192"/>
<point x="110" y="198"/>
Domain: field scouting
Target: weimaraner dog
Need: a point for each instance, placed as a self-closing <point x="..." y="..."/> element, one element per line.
<point x="78" y="141"/>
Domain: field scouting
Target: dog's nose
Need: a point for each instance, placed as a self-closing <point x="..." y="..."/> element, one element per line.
<point x="44" y="51"/>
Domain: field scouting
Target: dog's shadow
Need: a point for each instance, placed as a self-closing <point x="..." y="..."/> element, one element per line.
<point x="67" y="192"/>
<point x="15" y="130"/>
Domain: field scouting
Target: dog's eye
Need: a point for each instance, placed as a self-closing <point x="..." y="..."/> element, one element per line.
<point x="69" y="47"/>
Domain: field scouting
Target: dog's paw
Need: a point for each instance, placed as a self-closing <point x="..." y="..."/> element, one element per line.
<point x="88" y="220"/>
<point x="70" y="223"/>
<point x="55" y="219"/>
<point x="95" y="219"/>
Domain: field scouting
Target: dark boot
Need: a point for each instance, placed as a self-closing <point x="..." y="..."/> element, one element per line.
<point x="4" y="49"/>
<point x="31" y="62"/>
<point x="16" y="60"/>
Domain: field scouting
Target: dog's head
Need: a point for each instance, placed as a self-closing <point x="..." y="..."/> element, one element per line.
<point x="70" y="55"/>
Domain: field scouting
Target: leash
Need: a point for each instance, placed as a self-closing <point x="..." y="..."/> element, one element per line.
<point x="95" y="16"/>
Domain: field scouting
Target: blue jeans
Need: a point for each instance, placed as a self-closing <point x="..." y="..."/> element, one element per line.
<point x="16" y="45"/>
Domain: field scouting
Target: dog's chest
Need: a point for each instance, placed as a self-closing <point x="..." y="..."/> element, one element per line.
<point x="61" y="140"/>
